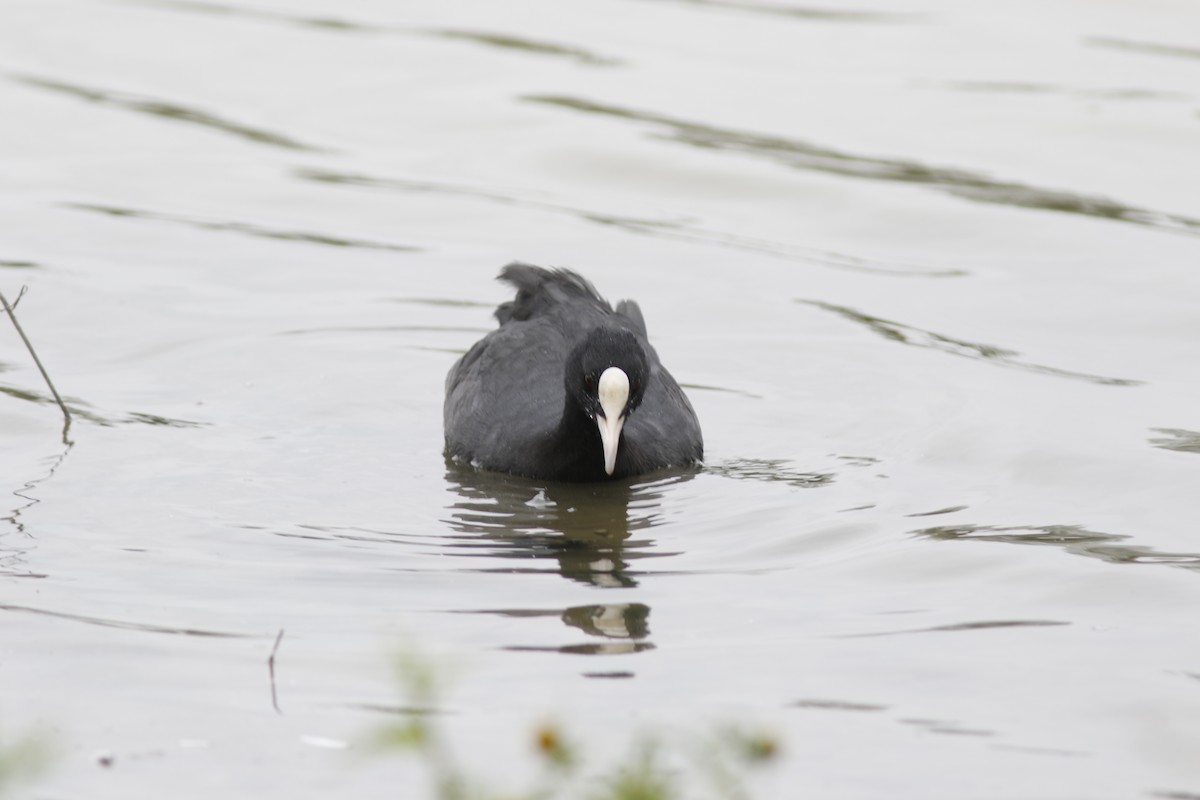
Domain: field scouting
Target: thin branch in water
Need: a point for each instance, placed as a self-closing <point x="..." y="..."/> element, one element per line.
<point x="271" y="670"/>
<point x="29" y="346"/>
<point x="20" y="294"/>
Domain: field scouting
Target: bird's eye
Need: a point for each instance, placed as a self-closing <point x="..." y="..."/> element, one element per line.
<point x="590" y="382"/>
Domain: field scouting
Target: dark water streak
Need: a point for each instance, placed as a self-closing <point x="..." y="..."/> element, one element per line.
<point x="246" y="228"/>
<point x="1021" y="87"/>
<point x="988" y="354"/>
<point x="508" y="41"/>
<point x="837" y="705"/>
<point x="1073" y="539"/>
<point x="934" y="725"/>
<point x="945" y="727"/>
<point x="166" y="110"/>
<point x="442" y="302"/>
<point x="387" y="329"/>
<point x="772" y="470"/>
<point x="79" y="410"/>
<point x="701" y="387"/>
<point x="125" y="625"/>
<point x="809" y="13"/>
<point x="662" y="229"/>
<point x="1177" y="439"/>
<point x="491" y="39"/>
<point x="804" y="155"/>
<point x="1150" y="48"/>
<point x="938" y="512"/>
<point x="963" y="626"/>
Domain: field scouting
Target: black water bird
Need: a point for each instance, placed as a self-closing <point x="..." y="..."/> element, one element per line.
<point x="567" y="388"/>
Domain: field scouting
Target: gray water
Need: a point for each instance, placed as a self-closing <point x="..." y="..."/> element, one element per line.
<point x="928" y="270"/>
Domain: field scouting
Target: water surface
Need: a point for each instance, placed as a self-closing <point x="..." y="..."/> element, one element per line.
<point x="928" y="273"/>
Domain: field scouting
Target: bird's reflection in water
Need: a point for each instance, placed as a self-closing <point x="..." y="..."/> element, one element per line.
<point x="589" y="528"/>
<point x="624" y="625"/>
<point x="615" y="620"/>
<point x="596" y="533"/>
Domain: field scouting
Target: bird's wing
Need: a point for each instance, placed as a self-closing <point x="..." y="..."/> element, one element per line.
<point x="633" y="312"/>
<point x="540" y="290"/>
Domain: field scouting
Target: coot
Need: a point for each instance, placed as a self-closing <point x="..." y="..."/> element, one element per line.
<point x="567" y="388"/>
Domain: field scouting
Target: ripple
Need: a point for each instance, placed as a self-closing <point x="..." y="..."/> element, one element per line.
<point x="918" y="337"/>
<point x="73" y="404"/>
<point x="1019" y="87"/>
<point x="387" y="329"/>
<point x="13" y="555"/>
<point x="80" y="410"/>
<point x="946" y="727"/>
<point x="590" y="530"/>
<point x="962" y="626"/>
<point x="165" y="109"/>
<point x="841" y="261"/>
<point x="813" y="13"/>
<point x="804" y="155"/>
<point x="246" y="228"/>
<point x="722" y="389"/>
<point x="1151" y="48"/>
<point x="837" y="705"/>
<point x="491" y="39"/>
<point x="507" y="41"/>
<point x="124" y="624"/>
<point x="614" y="675"/>
<point x="1043" y="751"/>
<point x="589" y="533"/>
<point x="657" y="228"/>
<point x="225" y="9"/>
<point x="165" y="422"/>
<point x="403" y="711"/>
<point x="858" y="461"/>
<point x="772" y="470"/>
<point x="1177" y="439"/>
<point x="947" y="510"/>
<point x="10" y="264"/>
<point x="438" y="302"/>
<point x="1072" y="538"/>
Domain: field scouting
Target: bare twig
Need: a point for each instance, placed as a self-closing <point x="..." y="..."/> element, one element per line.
<point x="36" y="360"/>
<point x="271" y="669"/>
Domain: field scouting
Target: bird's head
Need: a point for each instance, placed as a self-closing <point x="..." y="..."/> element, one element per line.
<point x="606" y="375"/>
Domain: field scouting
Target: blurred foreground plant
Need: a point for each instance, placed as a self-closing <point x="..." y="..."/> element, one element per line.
<point x="721" y="758"/>
<point x="21" y="760"/>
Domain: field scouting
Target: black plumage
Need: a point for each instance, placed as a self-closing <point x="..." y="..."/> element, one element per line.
<point x="526" y="399"/>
